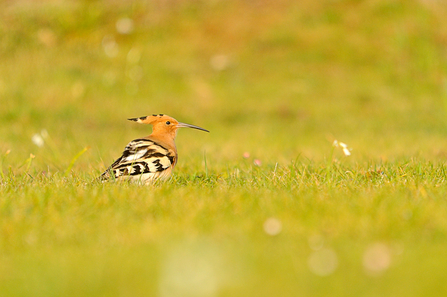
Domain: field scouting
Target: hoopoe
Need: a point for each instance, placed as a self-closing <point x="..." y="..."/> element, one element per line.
<point x="149" y="158"/>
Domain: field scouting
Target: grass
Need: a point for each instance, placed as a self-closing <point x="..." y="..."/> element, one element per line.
<point x="276" y="82"/>
<point x="205" y="236"/>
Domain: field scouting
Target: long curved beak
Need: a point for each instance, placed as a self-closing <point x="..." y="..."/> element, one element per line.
<point x="183" y="125"/>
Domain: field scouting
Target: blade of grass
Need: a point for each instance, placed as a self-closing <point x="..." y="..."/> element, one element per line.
<point x="1" y="163"/>
<point x="73" y="161"/>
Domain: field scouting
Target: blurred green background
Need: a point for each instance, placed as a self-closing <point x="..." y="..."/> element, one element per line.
<point x="280" y="80"/>
<point x="275" y="78"/>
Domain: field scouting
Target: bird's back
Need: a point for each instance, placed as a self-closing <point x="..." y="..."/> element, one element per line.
<point x="143" y="160"/>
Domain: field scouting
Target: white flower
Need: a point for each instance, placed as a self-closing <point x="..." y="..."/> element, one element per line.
<point x="272" y="226"/>
<point x="344" y="147"/>
<point x="124" y="26"/>
<point x="37" y="139"/>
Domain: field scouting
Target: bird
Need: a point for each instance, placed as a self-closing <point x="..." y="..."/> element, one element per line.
<point x="151" y="158"/>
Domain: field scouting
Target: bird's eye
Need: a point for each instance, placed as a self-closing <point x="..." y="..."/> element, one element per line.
<point x="168" y="123"/>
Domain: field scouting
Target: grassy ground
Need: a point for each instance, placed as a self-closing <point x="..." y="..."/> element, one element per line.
<point x="264" y="205"/>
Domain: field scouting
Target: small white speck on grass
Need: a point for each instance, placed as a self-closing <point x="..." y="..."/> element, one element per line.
<point x="246" y="155"/>
<point x="323" y="262"/>
<point x="219" y="62"/>
<point x="257" y="162"/>
<point x="124" y="26"/>
<point x="272" y="226"/>
<point x="39" y="138"/>
<point x="377" y="258"/>
<point x="110" y="46"/>
<point x="344" y="147"/>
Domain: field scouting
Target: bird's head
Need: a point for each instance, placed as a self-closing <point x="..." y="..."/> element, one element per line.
<point x="163" y="124"/>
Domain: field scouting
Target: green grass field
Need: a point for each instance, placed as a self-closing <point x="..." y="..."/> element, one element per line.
<point x="265" y="204"/>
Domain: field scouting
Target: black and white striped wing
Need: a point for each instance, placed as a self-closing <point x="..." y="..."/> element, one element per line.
<point x="142" y="158"/>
